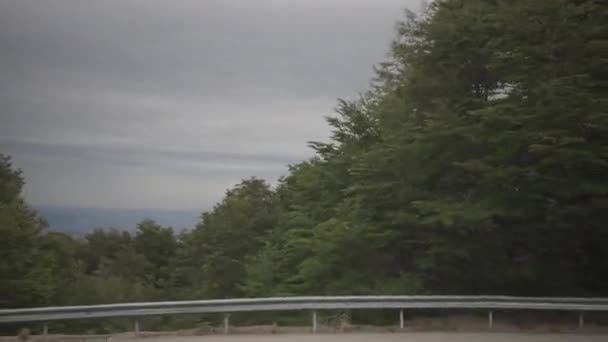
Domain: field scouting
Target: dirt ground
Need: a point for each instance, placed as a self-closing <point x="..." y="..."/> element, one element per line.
<point x="386" y="337"/>
<point x="338" y="337"/>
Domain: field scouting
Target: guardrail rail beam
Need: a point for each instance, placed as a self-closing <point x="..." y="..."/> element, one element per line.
<point x="45" y="315"/>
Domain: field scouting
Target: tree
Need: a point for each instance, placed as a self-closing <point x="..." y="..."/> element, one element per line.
<point x="103" y="248"/>
<point x="158" y="245"/>
<point x="476" y="164"/>
<point x="227" y="236"/>
<point x="66" y="265"/>
<point x="24" y="266"/>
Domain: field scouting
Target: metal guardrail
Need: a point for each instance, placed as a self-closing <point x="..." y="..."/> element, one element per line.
<point x="490" y="303"/>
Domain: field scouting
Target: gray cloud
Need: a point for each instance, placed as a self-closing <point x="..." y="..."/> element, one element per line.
<point x="122" y="154"/>
<point x="154" y="103"/>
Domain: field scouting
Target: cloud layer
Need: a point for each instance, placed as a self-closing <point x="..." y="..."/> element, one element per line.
<point x="165" y="104"/>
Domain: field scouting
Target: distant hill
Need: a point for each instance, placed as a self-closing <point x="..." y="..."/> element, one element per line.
<point x="79" y="221"/>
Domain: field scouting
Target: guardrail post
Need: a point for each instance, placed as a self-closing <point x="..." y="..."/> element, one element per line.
<point x="136" y="327"/>
<point x="490" y="319"/>
<point x="226" y="323"/>
<point x="314" y="321"/>
<point x="581" y="320"/>
<point x="45" y="331"/>
<point x="401" y="319"/>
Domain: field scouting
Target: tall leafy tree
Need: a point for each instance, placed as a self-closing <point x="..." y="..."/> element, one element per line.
<point x="25" y="269"/>
<point x="158" y="245"/>
<point x="227" y="236"/>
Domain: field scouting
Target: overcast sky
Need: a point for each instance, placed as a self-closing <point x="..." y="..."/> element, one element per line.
<point x="166" y="103"/>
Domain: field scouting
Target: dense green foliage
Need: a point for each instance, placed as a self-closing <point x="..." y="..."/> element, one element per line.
<point x="477" y="163"/>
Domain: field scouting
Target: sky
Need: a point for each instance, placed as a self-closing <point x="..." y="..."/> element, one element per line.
<point x="167" y="103"/>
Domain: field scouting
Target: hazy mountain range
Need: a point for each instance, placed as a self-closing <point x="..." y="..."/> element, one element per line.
<point x="79" y="221"/>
